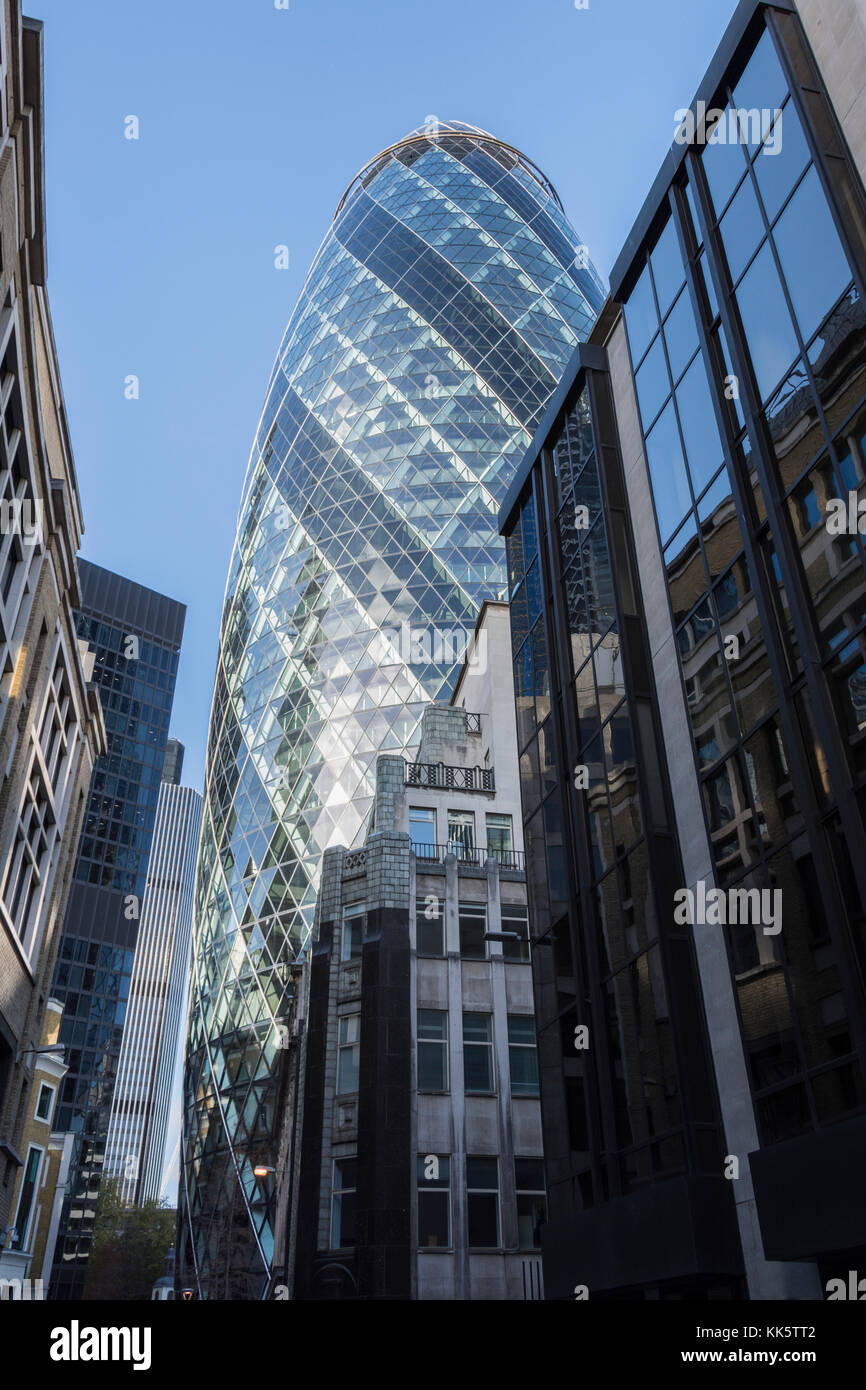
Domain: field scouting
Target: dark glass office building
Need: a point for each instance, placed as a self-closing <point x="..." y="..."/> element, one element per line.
<point x="136" y="635"/>
<point x="689" y="633"/>
<point x="434" y="325"/>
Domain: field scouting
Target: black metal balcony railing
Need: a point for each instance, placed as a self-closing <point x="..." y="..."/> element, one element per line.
<point x="441" y="777"/>
<point x="470" y="854"/>
<point x="473" y="723"/>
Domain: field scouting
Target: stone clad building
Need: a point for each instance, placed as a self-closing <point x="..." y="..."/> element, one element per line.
<point x="51" y="725"/>
<point x="418" y="1161"/>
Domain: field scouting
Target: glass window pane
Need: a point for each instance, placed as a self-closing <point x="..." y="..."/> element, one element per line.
<point x="482" y="1173"/>
<point x="742" y="228"/>
<point x="640" y="317"/>
<point x="430" y="925"/>
<point x="767" y="323"/>
<point x="473" y="925"/>
<point x="651" y="380"/>
<point x="422" y="825"/>
<point x="434" y="1218"/>
<point x="782" y="159"/>
<point x="681" y="334"/>
<point x="724" y="162"/>
<point x="668" y="473"/>
<point x="524" y="1071"/>
<point x="698" y="421"/>
<point x="762" y="84"/>
<point x="531" y="1216"/>
<point x="815" y="281"/>
<point x="667" y="267"/>
<point x="483" y="1219"/>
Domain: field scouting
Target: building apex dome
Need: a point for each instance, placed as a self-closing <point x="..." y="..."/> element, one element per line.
<point x="435" y="129"/>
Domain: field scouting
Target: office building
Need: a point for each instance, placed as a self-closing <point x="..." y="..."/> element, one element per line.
<point x="688" y="618"/>
<point x="434" y="324"/>
<point x="417" y="1158"/>
<point x="136" y="635"/>
<point x="156" y="1010"/>
<point x="51" y="726"/>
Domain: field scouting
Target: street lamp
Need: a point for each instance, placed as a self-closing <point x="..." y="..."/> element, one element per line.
<point x="53" y="1051"/>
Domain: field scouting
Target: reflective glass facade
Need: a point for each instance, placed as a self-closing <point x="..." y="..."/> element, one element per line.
<point x="694" y="724"/>
<point x="438" y="315"/>
<point x="753" y="412"/>
<point x="629" y="1109"/>
<point x="135" y="634"/>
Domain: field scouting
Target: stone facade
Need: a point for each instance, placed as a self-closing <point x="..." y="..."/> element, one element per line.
<point x="372" y="1120"/>
<point x="45" y="690"/>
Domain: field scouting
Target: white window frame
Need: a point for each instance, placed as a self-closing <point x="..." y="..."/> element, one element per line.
<point x="348" y="1045"/>
<point x="52" y="1092"/>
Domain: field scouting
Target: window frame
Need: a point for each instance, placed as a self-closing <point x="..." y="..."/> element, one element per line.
<point x="487" y="1044"/>
<point x="483" y="1192"/>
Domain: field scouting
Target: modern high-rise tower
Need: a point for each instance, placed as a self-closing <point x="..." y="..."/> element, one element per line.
<point x="136" y="635"/>
<point x="139" y="1123"/>
<point x="437" y="317"/>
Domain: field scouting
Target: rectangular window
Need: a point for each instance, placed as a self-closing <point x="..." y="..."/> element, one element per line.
<point x="434" y="1201"/>
<point x="461" y="833"/>
<point x="25" y="1200"/>
<point x="478" y="1054"/>
<point x="422" y="831"/>
<point x="482" y="1202"/>
<point x="43" y="1105"/>
<point x="531" y="1202"/>
<point x="343" y="1203"/>
<point x="473" y="925"/>
<point x="430" y="925"/>
<point x="515" y="918"/>
<point x="432" y="1050"/>
<point x="348" y="1054"/>
<point x="500" y="844"/>
<point x="522" y="1055"/>
<point x="353" y="932"/>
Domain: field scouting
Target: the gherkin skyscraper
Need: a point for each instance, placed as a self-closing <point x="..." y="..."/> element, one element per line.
<point x="434" y="325"/>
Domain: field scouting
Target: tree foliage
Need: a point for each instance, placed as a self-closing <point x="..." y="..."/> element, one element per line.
<point x="129" y="1246"/>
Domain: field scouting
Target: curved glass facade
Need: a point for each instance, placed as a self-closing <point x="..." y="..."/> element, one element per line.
<point x="434" y="325"/>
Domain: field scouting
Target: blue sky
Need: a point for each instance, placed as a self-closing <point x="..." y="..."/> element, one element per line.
<point x="252" y="122"/>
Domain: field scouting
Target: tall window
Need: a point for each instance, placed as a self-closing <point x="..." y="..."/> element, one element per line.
<point x="473" y="925"/>
<point x="31" y="854"/>
<point x="531" y="1201"/>
<point x="25" y="1200"/>
<point x="430" y="925"/>
<point x="432" y="1050"/>
<point x="348" y="1054"/>
<point x="482" y="1202"/>
<point x="461" y="833"/>
<point x="434" y="1201"/>
<point x="422" y="831"/>
<point x="57" y="726"/>
<point x="353" y="933"/>
<point x="478" y="1054"/>
<point x="499" y="839"/>
<point x="343" y="1203"/>
<point x="522" y="1055"/>
<point x="515" y="918"/>
<point x="43" y="1105"/>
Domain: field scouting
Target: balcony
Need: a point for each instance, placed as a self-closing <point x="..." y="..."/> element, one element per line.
<point x="512" y="859"/>
<point x="441" y="777"/>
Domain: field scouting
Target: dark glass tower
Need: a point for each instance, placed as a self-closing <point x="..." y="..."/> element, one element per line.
<point x="689" y="632"/>
<point x="136" y="635"/>
<point x="435" y="322"/>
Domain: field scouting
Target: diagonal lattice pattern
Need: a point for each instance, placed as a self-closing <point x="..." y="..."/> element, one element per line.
<point x="434" y="325"/>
